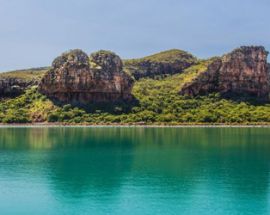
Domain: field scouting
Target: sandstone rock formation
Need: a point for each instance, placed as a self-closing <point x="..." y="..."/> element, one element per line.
<point x="164" y="63"/>
<point x="75" y="78"/>
<point x="242" y="72"/>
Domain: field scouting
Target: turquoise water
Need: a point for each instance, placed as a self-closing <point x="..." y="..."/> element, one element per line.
<point x="56" y="171"/>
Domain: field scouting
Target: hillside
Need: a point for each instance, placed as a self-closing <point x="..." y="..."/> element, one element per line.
<point x="156" y="100"/>
<point x="14" y="83"/>
<point x="160" y="65"/>
<point x="168" y="57"/>
<point x="27" y="74"/>
<point x="158" y="103"/>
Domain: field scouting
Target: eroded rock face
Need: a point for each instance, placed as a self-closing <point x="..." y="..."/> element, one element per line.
<point x="108" y="75"/>
<point x="12" y="87"/>
<point x="242" y="72"/>
<point x="76" y="78"/>
<point x="164" y="63"/>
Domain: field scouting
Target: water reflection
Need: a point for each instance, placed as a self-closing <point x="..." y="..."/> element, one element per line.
<point x="178" y="164"/>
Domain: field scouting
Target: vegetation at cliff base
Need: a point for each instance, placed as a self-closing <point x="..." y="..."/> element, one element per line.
<point x="158" y="102"/>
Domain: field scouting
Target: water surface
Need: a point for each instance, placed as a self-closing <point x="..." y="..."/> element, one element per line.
<point x="57" y="171"/>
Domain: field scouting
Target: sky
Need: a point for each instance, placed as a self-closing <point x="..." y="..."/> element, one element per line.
<point x="34" y="32"/>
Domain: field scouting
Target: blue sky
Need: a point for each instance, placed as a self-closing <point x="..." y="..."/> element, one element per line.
<point x="34" y="32"/>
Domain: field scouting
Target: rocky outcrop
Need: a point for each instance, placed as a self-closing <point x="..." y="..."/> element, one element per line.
<point x="242" y="72"/>
<point x="11" y="87"/>
<point x="75" y="78"/>
<point x="14" y="83"/>
<point x="161" y="64"/>
<point x="108" y="76"/>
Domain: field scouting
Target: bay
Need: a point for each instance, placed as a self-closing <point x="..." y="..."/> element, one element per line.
<point x="114" y="170"/>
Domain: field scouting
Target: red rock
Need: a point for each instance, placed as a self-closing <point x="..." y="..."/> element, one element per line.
<point x="76" y="78"/>
<point x="242" y="72"/>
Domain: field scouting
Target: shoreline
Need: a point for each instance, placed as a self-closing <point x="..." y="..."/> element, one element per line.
<point x="52" y="125"/>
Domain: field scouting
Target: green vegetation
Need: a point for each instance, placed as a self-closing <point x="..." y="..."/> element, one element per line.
<point x="169" y="56"/>
<point x="159" y="65"/>
<point x="158" y="103"/>
<point x="28" y="74"/>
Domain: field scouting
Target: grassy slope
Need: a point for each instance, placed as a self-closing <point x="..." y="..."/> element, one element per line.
<point x="169" y="56"/>
<point x="165" y="56"/>
<point x="159" y="103"/>
<point x="27" y="74"/>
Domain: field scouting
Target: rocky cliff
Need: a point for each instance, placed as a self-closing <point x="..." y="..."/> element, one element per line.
<point x="164" y="63"/>
<point x="11" y="87"/>
<point x="242" y="72"/>
<point x="76" y="78"/>
<point x="14" y="83"/>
